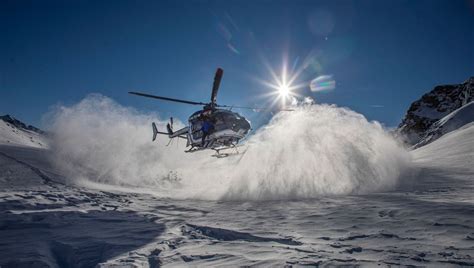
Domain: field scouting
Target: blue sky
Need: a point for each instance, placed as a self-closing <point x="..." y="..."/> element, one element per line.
<point x="382" y="54"/>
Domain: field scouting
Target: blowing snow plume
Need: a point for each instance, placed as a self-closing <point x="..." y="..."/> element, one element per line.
<point x="318" y="150"/>
<point x="101" y="141"/>
<point x="313" y="151"/>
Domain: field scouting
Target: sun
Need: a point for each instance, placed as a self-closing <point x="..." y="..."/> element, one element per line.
<point x="283" y="85"/>
<point x="284" y="90"/>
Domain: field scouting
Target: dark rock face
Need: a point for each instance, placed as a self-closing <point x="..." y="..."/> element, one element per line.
<point x="17" y="123"/>
<point x="433" y="106"/>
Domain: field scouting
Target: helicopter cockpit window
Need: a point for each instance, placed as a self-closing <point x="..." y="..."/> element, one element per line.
<point x="220" y="121"/>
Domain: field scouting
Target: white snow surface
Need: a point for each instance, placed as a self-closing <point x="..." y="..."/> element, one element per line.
<point x="9" y="134"/>
<point x="425" y="218"/>
<point x="453" y="151"/>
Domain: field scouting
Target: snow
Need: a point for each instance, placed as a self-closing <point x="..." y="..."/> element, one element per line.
<point x="450" y="122"/>
<point x="10" y="134"/>
<point x="426" y="220"/>
<point x="453" y="151"/>
<point x="314" y="150"/>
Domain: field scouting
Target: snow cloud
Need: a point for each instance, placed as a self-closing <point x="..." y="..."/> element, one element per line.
<point x="313" y="151"/>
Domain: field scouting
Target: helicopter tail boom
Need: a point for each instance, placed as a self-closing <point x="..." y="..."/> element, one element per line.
<point x="170" y="133"/>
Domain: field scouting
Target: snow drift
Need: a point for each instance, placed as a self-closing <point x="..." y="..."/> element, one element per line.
<point x="313" y="151"/>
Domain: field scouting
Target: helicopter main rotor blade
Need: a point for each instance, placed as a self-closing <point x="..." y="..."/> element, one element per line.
<point x="215" y="86"/>
<point x="253" y="108"/>
<point x="166" y="98"/>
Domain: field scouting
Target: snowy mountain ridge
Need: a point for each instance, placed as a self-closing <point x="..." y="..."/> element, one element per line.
<point x="425" y="116"/>
<point x="455" y="120"/>
<point x="15" y="132"/>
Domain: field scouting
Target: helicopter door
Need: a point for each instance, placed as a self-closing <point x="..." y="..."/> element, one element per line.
<point x="196" y="132"/>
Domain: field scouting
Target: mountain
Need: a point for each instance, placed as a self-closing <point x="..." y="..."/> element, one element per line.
<point x="15" y="132"/>
<point x="429" y="117"/>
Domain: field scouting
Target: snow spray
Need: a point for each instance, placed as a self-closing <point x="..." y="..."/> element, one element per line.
<point x="315" y="150"/>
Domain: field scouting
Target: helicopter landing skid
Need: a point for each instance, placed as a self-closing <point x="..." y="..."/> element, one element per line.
<point x="219" y="151"/>
<point x="219" y="154"/>
<point x="194" y="149"/>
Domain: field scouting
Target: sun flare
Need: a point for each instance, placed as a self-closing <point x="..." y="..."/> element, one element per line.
<point x="284" y="91"/>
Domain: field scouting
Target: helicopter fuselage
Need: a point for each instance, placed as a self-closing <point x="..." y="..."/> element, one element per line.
<point x="228" y="128"/>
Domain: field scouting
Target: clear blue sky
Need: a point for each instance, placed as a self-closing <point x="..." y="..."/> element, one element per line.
<point x="382" y="54"/>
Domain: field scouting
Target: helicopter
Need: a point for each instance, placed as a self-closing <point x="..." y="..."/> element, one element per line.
<point x="215" y="126"/>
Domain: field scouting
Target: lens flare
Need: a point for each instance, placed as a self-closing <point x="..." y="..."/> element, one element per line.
<point x="322" y="83"/>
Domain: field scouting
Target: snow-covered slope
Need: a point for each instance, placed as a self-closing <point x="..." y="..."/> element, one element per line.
<point x="453" y="151"/>
<point x="451" y="122"/>
<point x="15" y="132"/>
<point x="433" y="106"/>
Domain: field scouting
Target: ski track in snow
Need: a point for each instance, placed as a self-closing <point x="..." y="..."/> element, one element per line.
<point x="427" y="220"/>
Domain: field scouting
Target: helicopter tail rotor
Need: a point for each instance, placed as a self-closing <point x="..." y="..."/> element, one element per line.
<point x="169" y="126"/>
